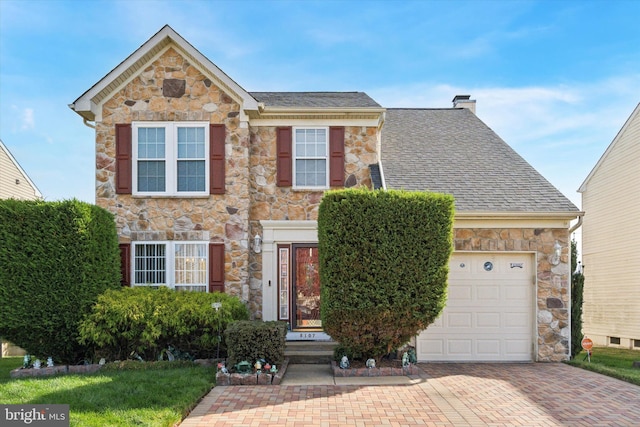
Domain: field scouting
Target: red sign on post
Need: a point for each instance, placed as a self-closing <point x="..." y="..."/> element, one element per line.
<point x="587" y="345"/>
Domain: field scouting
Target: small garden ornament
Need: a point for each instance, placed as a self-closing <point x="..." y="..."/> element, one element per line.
<point x="411" y="353"/>
<point x="222" y="367"/>
<point x="371" y="363"/>
<point x="344" y="362"/>
<point x="49" y="362"/>
<point x="243" y="367"/>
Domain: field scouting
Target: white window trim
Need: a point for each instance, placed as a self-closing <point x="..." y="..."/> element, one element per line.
<point x="326" y="158"/>
<point x="171" y="158"/>
<point x="170" y="262"/>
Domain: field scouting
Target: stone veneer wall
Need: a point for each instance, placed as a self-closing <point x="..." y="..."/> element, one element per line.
<point x="270" y="202"/>
<point x="187" y="95"/>
<point x="553" y="282"/>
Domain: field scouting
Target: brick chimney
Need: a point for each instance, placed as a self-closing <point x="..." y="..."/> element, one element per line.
<point x="464" y="101"/>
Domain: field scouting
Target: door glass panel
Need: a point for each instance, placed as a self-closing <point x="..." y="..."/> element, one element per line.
<point x="307" y="288"/>
<point x="283" y="283"/>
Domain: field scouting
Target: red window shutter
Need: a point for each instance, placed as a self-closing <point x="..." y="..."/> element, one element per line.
<point x="216" y="267"/>
<point x="217" y="135"/>
<point x="125" y="264"/>
<point x="123" y="158"/>
<point x="336" y="156"/>
<point x="283" y="163"/>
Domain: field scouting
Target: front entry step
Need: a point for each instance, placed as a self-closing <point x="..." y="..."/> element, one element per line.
<point x="309" y="352"/>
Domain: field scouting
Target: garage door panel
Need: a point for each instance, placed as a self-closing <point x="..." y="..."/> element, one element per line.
<point x="488" y="320"/>
<point x="517" y="347"/>
<point x="434" y="348"/>
<point x="488" y="294"/>
<point x="460" y="347"/>
<point x="517" y="320"/>
<point x="516" y="293"/>
<point x="459" y="320"/>
<point x="460" y="293"/>
<point x="483" y="321"/>
<point x="488" y="347"/>
<point x="488" y="315"/>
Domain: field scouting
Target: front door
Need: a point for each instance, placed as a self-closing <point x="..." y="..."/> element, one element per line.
<point x="305" y="287"/>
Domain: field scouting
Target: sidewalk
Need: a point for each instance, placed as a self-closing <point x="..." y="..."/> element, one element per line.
<point x="322" y="375"/>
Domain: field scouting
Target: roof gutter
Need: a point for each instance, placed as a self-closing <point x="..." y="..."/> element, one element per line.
<point x="315" y="110"/>
<point x="515" y="215"/>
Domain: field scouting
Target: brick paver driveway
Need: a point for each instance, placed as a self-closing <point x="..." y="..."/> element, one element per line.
<point x="537" y="394"/>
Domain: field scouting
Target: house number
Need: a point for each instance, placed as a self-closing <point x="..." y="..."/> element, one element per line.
<point x="307" y="336"/>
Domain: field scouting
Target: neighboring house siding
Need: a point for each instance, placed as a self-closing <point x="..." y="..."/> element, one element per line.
<point x="217" y="218"/>
<point x="610" y="237"/>
<point x="14" y="184"/>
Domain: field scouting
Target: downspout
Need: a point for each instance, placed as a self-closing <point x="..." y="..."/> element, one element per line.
<point x="384" y="184"/>
<point x="86" y="123"/>
<point x="578" y="224"/>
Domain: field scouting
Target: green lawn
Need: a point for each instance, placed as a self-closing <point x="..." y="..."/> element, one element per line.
<point x="614" y="362"/>
<point x="159" y="396"/>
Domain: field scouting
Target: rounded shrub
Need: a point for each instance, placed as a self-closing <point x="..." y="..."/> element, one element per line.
<point x="145" y="323"/>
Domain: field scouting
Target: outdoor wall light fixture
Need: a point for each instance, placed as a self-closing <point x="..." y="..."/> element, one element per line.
<point x="257" y="244"/>
<point x="554" y="258"/>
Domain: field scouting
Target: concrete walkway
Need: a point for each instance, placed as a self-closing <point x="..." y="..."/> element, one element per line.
<point x="536" y="394"/>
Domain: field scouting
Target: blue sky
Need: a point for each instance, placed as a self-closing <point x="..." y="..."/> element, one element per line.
<point x="555" y="79"/>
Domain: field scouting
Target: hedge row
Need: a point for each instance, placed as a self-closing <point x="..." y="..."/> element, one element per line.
<point x="152" y="324"/>
<point x="56" y="258"/>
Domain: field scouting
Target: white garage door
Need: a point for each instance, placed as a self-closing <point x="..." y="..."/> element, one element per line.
<point x="489" y="311"/>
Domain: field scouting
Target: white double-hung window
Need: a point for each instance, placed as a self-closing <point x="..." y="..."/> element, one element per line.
<point x="178" y="265"/>
<point x="170" y="158"/>
<point x="311" y="165"/>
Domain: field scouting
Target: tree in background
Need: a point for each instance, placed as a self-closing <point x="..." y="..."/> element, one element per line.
<point x="577" y="286"/>
<point x="384" y="262"/>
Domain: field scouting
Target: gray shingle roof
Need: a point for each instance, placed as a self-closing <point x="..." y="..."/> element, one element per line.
<point x="452" y="151"/>
<point x="316" y="99"/>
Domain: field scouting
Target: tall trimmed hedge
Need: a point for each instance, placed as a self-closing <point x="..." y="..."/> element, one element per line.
<point x="55" y="258"/>
<point x="577" y="291"/>
<point x="383" y="265"/>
